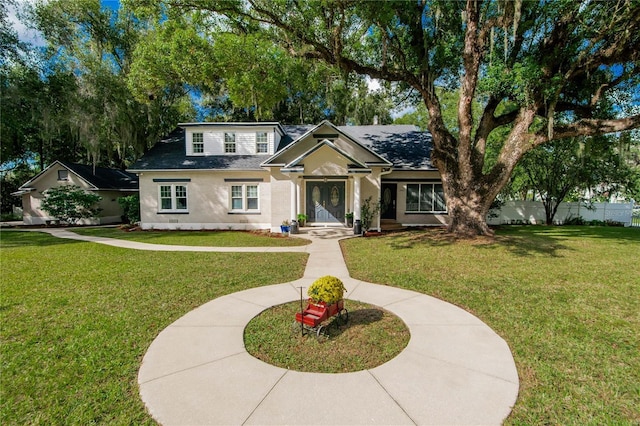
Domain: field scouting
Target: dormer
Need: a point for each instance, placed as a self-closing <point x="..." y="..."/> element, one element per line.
<point x="205" y="139"/>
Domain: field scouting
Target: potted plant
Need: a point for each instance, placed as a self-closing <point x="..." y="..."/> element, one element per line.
<point x="302" y="219"/>
<point x="349" y="219"/>
<point x="368" y="211"/>
<point x="285" y="226"/>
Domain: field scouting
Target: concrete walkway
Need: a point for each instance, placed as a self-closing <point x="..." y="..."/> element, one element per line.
<point x="454" y="371"/>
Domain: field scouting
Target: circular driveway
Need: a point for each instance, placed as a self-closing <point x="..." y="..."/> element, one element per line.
<point x="455" y="369"/>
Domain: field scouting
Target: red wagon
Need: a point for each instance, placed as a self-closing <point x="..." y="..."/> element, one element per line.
<point x="311" y="318"/>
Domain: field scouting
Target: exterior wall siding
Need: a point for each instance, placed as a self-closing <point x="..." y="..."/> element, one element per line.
<point x="213" y="141"/>
<point x="208" y="200"/>
<point x="280" y="200"/>
<point x="402" y="179"/>
<point x="111" y="211"/>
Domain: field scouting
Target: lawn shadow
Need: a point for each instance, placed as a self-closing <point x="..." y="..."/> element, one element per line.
<point x="358" y="317"/>
<point x="22" y="238"/>
<point x="520" y="241"/>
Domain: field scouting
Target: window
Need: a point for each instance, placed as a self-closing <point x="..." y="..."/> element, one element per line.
<point x="244" y="198"/>
<point x="262" y="145"/>
<point x="229" y="142"/>
<point x="425" y="197"/>
<point x="173" y="198"/>
<point x="197" y="143"/>
<point x="63" y="175"/>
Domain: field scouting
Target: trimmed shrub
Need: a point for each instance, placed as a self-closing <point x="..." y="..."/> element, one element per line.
<point x="131" y="208"/>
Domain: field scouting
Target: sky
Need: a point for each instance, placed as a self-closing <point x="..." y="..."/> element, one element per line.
<point x="34" y="37"/>
<point x="25" y="34"/>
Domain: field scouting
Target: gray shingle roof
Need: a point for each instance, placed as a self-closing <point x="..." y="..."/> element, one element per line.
<point x="406" y="146"/>
<point x="104" y="178"/>
<point x="403" y="145"/>
<point x="169" y="154"/>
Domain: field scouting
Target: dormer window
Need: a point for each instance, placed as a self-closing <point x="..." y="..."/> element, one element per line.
<point x="197" y="143"/>
<point x="229" y="143"/>
<point x="262" y="144"/>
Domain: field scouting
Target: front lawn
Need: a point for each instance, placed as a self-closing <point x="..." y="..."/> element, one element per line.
<point x="197" y="238"/>
<point x="566" y="299"/>
<point x="76" y="319"/>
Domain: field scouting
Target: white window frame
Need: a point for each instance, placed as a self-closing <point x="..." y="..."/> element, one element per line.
<point x="431" y="186"/>
<point x="197" y="143"/>
<point x="63" y="175"/>
<point x="174" y="191"/>
<point x="229" y="143"/>
<point x="262" y="146"/>
<point x="243" y="195"/>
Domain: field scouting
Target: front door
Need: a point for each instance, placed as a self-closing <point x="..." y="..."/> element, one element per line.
<point x="388" y="205"/>
<point x="325" y="202"/>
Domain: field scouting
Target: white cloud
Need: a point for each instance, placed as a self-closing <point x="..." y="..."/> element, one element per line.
<point x="25" y="34"/>
<point x="373" y="84"/>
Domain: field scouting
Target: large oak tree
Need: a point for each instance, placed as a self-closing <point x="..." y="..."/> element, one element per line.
<point x="542" y="70"/>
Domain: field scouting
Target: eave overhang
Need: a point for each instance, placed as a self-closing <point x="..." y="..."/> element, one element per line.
<point x="274" y="124"/>
<point x="337" y="132"/>
<point x="298" y="161"/>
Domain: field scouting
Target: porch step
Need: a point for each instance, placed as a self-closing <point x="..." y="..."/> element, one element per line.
<point x="391" y="225"/>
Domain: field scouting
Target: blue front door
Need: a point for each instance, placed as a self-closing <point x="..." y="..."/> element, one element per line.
<point x="325" y="202"/>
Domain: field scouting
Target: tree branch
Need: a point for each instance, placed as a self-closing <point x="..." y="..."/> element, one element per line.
<point x="590" y="127"/>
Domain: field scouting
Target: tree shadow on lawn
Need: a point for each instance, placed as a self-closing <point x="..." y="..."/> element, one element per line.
<point x="15" y="238"/>
<point x="520" y="242"/>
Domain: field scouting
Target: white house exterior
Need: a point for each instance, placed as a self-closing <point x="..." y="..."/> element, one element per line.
<point x="255" y="175"/>
<point x="110" y="184"/>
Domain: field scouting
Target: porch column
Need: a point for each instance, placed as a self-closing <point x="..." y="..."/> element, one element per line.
<point x="356" y="197"/>
<point x="299" y="208"/>
<point x="294" y="199"/>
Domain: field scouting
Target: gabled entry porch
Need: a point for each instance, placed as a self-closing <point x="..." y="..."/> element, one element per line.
<point x="330" y="174"/>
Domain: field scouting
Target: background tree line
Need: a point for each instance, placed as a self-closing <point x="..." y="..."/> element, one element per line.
<point x="107" y="84"/>
<point x="499" y="84"/>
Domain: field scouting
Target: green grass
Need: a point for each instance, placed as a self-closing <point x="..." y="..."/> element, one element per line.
<point x="197" y="238"/>
<point x="76" y="319"/>
<point x="370" y="337"/>
<point x="566" y="299"/>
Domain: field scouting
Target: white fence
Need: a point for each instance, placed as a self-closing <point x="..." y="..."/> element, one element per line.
<point x="520" y="212"/>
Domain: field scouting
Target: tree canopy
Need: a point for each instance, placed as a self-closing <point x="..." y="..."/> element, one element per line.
<point x="497" y="78"/>
<point x="543" y="70"/>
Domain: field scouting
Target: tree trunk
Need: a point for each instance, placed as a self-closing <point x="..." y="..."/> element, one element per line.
<point x="467" y="206"/>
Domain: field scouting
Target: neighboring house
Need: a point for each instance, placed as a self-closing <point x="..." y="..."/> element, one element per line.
<point x="110" y="184"/>
<point x="255" y="175"/>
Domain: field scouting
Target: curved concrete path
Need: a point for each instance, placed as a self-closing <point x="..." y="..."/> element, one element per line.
<point x="454" y="371"/>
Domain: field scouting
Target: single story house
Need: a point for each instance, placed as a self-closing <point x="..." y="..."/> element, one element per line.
<point x="110" y="184"/>
<point x="256" y="175"/>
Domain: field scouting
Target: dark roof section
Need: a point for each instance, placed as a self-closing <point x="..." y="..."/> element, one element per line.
<point x="293" y="132"/>
<point x="104" y="178"/>
<point x="403" y="145"/>
<point x="169" y="154"/>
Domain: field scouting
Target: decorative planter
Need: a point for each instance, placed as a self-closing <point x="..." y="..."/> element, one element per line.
<point x="318" y="312"/>
<point x="284" y="229"/>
